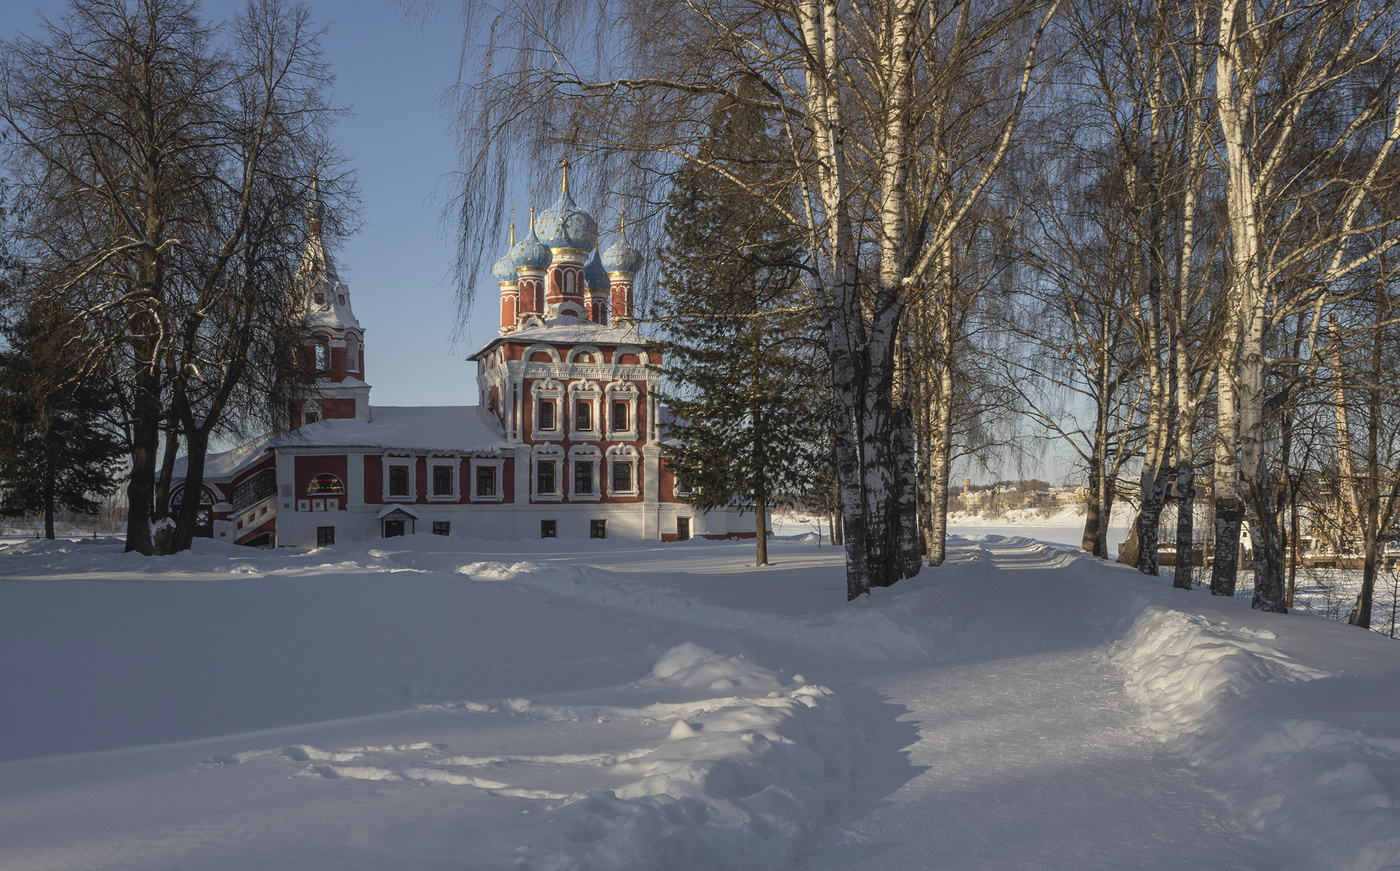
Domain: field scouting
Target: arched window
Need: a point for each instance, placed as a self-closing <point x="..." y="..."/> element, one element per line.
<point x="325" y="484"/>
<point x="352" y="354"/>
<point x="323" y="354"/>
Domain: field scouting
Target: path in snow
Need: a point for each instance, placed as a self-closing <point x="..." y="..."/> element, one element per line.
<point x="1029" y="753"/>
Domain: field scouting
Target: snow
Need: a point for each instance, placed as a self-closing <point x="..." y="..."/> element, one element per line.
<point x="432" y="702"/>
<point x="421" y="428"/>
<point x="568" y="329"/>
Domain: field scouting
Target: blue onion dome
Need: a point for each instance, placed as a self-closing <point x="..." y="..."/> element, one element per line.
<point x="595" y="277"/>
<point x="503" y="272"/>
<point x="621" y="256"/>
<point x="529" y="253"/>
<point x="565" y="225"/>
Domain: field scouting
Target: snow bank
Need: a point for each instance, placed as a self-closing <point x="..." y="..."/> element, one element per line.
<point x="711" y="761"/>
<point x="896" y="625"/>
<point x="751" y="766"/>
<point x="1225" y="696"/>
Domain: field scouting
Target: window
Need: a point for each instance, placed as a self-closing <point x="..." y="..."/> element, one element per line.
<point x="255" y="489"/>
<point x="352" y="354"/>
<point x="597" y="529"/>
<point x="583" y="415"/>
<point x="311" y="415"/>
<point x="486" y="481"/>
<point x="325" y="536"/>
<point x="619" y="414"/>
<point x="442" y="481"/>
<point x="682" y="529"/>
<point x="323" y="354"/>
<point x="583" y="477"/>
<point x="545" y="483"/>
<point x="398" y="481"/>
<point x="622" y="477"/>
<point x="549" y="529"/>
<point x="442" y="527"/>
<point x="325" y="484"/>
<point x="547" y="420"/>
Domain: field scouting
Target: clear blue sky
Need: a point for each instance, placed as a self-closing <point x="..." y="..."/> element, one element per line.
<point x="391" y="70"/>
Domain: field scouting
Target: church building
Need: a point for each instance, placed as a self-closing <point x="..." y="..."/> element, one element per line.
<point x="564" y="443"/>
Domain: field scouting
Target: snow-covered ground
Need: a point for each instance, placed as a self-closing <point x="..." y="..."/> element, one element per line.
<point x="433" y="702"/>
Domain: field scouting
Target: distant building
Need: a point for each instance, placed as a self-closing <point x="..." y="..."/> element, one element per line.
<point x="566" y="441"/>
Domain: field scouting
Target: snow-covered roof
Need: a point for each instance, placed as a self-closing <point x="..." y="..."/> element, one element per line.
<point x="420" y="428"/>
<point x="567" y="329"/>
<point x="319" y="275"/>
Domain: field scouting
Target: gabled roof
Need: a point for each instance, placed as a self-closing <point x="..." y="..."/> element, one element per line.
<point x="464" y="429"/>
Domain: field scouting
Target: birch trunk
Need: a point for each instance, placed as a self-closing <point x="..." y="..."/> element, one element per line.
<point x="939" y="468"/>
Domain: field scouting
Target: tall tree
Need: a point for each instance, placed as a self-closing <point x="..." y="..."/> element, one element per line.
<point x="164" y="168"/>
<point x="877" y="107"/>
<point x="58" y="446"/>
<point x="740" y="328"/>
<point x="1306" y="96"/>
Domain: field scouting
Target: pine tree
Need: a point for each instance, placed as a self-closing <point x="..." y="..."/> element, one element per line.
<point x="749" y="408"/>
<point x="57" y="447"/>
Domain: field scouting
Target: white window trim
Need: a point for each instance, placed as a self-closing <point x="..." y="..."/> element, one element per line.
<point x="585" y="455"/>
<point x="560" y="468"/>
<point x="545" y="390"/>
<point x="496" y="463"/>
<point x="453" y="463"/>
<point x="410" y="463"/>
<point x="622" y="391"/>
<point x="624" y="454"/>
<point x="584" y="392"/>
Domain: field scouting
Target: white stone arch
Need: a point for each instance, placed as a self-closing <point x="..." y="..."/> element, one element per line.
<point x="580" y="350"/>
<point x="354" y="352"/>
<point x="541" y="347"/>
<point x="643" y="359"/>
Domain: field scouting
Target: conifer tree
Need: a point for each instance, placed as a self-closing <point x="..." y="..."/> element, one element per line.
<point x="741" y="355"/>
<point x="57" y="446"/>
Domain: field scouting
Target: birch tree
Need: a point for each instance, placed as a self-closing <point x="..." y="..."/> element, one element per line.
<point x="1306" y="100"/>
<point x="868" y="99"/>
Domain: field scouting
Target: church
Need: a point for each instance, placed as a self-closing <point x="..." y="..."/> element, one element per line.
<point x="566" y="441"/>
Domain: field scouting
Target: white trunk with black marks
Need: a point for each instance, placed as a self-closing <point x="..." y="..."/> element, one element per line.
<point x="1237" y="391"/>
<point x="939" y="468"/>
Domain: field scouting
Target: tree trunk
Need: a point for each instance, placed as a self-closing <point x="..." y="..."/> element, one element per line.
<point x="140" y="490"/>
<point x="1185" y="521"/>
<point x="1228" y="510"/>
<point x="939" y="468"/>
<point x="761" y="518"/>
<point x="1269" y="592"/>
<point x="50" y="486"/>
<point x="197" y="449"/>
<point x="1094" y="521"/>
<point x="1361" y="613"/>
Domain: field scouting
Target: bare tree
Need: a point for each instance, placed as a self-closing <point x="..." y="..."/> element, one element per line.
<point x="161" y="166"/>
<point x="1306" y="100"/>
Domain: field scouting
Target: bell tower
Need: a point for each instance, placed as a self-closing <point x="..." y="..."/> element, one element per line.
<point x="333" y="355"/>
